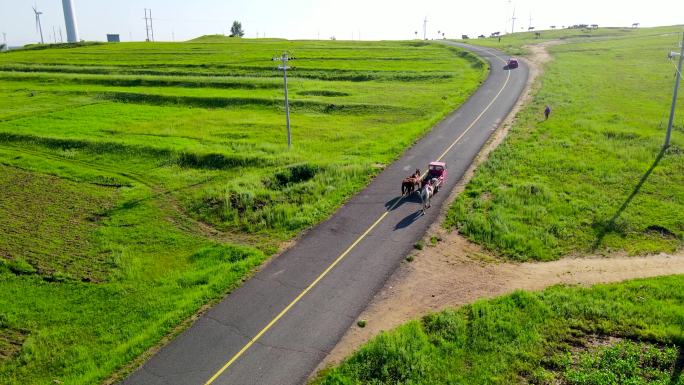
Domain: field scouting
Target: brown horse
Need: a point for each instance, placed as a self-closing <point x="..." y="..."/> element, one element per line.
<point x="409" y="184"/>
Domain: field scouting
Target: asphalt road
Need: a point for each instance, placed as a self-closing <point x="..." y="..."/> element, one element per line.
<point x="277" y="327"/>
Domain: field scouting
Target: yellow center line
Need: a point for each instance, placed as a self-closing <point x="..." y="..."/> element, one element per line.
<point x="478" y="117"/>
<point x="339" y="259"/>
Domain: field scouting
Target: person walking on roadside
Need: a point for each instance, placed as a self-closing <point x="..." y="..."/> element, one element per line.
<point x="547" y="112"/>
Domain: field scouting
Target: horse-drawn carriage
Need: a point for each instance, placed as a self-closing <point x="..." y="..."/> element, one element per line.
<point x="436" y="175"/>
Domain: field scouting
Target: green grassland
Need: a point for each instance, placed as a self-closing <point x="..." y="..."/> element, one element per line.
<point x="591" y="179"/>
<point x="141" y="181"/>
<point x="629" y="333"/>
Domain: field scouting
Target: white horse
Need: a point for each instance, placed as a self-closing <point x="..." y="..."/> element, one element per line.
<point x="426" y="194"/>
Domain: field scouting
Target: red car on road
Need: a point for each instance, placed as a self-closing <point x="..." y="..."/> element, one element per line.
<point x="512" y="63"/>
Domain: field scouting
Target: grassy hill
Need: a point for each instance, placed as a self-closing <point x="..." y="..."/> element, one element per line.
<point x="592" y="178"/>
<point x="145" y="180"/>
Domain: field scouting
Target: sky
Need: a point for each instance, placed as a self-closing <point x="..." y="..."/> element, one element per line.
<point x="308" y="19"/>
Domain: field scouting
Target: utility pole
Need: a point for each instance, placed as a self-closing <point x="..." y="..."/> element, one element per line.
<point x="54" y="33"/>
<point x="529" y="27"/>
<point x="61" y="38"/>
<point x="283" y="66"/>
<point x="678" y="78"/>
<point x="425" y="28"/>
<point x="149" y="29"/>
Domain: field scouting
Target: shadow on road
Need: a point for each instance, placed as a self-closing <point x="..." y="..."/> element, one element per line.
<point x="408" y="220"/>
<point x="401" y="200"/>
<point x="609" y="226"/>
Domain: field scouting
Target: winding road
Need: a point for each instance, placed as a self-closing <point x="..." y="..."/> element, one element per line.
<point x="277" y="327"/>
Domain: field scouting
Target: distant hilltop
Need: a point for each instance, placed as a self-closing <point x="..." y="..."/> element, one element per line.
<point x="224" y="38"/>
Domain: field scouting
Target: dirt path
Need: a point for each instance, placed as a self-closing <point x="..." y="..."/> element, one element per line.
<point x="455" y="272"/>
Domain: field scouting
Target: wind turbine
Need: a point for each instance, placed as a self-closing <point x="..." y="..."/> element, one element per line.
<point x="38" y="26"/>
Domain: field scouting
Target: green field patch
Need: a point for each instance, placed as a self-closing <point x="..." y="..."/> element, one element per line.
<point x="281" y="202"/>
<point x="128" y="81"/>
<point x="592" y="178"/>
<point x="161" y="156"/>
<point x="349" y="61"/>
<point x="226" y="102"/>
<point x="50" y="225"/>
<point x="618" y="361"/>
<point x="11" y="341"/>
<point x="627" y="333"/>
<point x="19" y="103"/>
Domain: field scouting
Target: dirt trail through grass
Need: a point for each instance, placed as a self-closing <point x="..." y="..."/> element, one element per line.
<point x="456" y="272"/>
<point x="451" y="271"/>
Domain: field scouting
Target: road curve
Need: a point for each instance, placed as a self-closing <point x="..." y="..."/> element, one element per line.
<point x="277" y="327"/>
